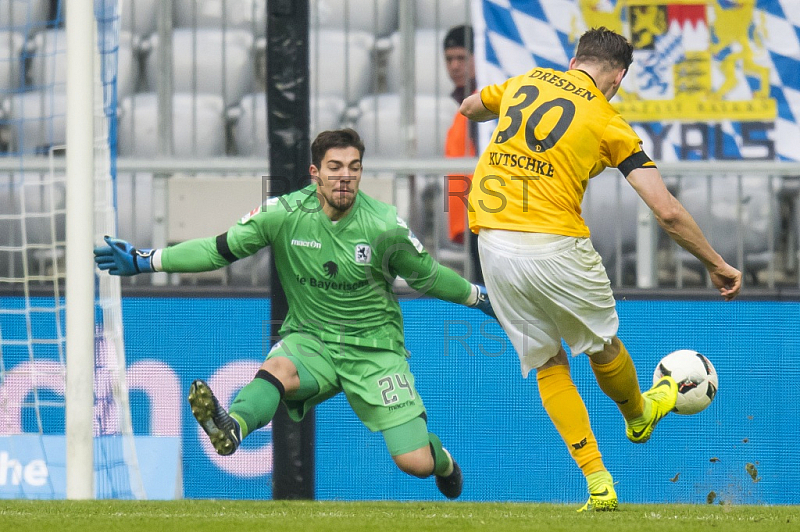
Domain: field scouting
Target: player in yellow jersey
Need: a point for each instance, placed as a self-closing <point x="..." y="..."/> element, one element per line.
<point x="557" y="130"/>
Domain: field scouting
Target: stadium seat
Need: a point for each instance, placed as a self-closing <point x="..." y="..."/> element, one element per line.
<point x="610" y="209"/>
<point x="207" y="61"/>
<point x="433" y="118"/>
<point x="341" y="64"/>
<point x="250" y="126"/>
<point x="250" y="129"/>
<point x="378" y="17"/>
<point x="717" y="207"/>
<point x="199" y="125"/>
<point x="48" y="66"/>
<point x="249" y="15"/>
<point x="32" y="14"/>
<point x="135" y="207"/>
<point x="36" y="121"/>
<point x="33" y="197"/>
<point x="11" y="44"/>
<point x="139" y="17"/>
<point x="442" y="14"/>
<point x="127" y="64"/>
<point x="326" y="113"/>
<point x="430" y="71"/>
<point x="32" y="193"/>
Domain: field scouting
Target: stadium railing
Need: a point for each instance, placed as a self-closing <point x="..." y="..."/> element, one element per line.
<point x="750" y="211"/>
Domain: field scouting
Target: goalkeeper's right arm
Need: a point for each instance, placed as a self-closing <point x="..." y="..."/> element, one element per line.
<point x="199" y="255"/>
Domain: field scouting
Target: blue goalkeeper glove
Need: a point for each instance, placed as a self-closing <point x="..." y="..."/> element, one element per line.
<point x="483" y="303"/>
<point x="121" y="258"/>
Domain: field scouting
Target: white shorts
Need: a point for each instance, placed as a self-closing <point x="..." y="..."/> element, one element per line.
<point x="547" y="287"/>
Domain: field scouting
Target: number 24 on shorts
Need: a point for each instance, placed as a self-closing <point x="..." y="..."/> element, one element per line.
<point x="388" y="385"/>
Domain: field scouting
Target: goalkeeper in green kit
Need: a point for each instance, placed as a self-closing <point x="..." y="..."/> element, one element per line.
<point x="337" y="253"/>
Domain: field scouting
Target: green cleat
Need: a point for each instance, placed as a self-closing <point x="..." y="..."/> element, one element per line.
<point x="604" y="500"/>
<point x="659" y="401"/>
<point x="222" y="429"/>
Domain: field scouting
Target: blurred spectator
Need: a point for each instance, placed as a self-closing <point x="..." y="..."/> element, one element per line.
<point x="461" y="137"/>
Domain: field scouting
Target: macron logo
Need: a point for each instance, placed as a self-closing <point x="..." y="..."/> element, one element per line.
<point x="306" y="244"/>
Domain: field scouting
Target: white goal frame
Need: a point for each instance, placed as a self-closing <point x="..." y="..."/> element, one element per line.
<point x="81" y="40"/>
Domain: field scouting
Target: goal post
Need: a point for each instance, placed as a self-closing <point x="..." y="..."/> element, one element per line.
<point x="79" y="392"/>
<point x="65" y="421"/>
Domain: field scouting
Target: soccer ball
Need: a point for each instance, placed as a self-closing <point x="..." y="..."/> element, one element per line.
<point x="696" y="378"/>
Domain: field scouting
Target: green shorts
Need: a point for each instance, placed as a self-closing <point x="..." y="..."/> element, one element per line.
<point x="377" y="382"/>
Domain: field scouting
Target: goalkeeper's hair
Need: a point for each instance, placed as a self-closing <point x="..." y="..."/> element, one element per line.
<point x="606" y="47"/>
<point x="337" y="138"/>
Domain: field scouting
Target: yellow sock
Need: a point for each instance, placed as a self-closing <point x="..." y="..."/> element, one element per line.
<point x="566" y="409"/>
<point x="618" y="380"/>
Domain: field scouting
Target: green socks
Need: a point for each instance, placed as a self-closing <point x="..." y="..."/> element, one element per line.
<point x="442" y="463"/>
<point x="256" y="404"/>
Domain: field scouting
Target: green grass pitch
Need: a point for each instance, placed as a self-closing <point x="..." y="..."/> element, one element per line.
<point x="296" y="516"/>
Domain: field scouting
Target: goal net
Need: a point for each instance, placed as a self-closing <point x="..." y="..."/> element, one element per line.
<point x="33" y="457"/>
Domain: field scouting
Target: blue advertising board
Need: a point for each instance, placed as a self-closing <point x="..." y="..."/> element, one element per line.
<point x="35" y="467"/>
<point x="486" y="414"/>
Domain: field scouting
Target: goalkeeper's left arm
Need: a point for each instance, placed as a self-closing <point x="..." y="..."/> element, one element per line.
<point x="241" y="240"/>
<point x="253" y="232"/>
<point x="199" y="255"/>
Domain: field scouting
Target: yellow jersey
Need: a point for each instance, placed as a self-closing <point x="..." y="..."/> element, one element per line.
<point x="556" y="130"/>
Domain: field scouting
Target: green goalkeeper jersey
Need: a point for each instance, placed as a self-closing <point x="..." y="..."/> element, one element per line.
<point x="337" y="276"/>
